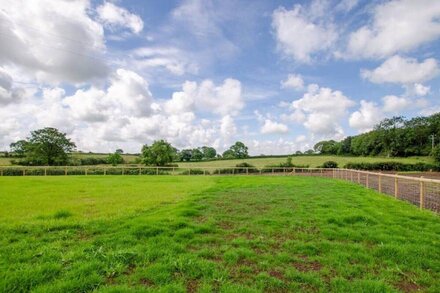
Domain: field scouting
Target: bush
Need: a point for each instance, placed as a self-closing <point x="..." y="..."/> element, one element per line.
<point x="194" y="172"/>
<point x="329" y="164"/>
<point x="245" y="168"/>
<point x="436" y="153"/>
<point x="392" y="166"/>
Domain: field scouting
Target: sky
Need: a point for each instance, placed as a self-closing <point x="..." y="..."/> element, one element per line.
<point x="277" y="75"/>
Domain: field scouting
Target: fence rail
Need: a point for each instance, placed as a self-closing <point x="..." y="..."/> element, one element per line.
<point x="423" y="192"/>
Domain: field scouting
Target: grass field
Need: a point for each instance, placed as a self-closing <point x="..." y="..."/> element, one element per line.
<point x="312" y="161"/>
<point x="211" y="234"/>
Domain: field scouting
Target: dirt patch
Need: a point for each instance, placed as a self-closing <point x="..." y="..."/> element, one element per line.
<point x="225" y="225"/>
<point x="192" y="286"/>
<point x="277" y="274"/>
<point x="145" y="282"/>
<point x="407" y="286"/>
<point x="307" y="266"/>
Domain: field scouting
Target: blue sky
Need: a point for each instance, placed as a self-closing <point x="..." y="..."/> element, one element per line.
<point x="278" y="75"/>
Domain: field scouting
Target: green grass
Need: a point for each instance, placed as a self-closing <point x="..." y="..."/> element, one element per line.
<point x="312" y="161"/>
<point x="211" y="234"/>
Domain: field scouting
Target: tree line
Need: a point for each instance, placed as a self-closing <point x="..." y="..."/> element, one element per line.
<point x="50" y="147"/>
<point x="392" y="137"/>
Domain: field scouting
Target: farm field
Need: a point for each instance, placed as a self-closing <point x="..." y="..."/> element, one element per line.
<point x="312" y="161"/>
<point x="211" y="234"/>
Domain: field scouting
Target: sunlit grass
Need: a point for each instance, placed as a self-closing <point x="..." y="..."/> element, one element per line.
<point x="212" y="234"/>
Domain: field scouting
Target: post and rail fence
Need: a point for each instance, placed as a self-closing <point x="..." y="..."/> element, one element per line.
<point x="423" y="192"/>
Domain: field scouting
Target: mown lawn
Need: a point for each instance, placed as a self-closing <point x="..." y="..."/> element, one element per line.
<point x="211" y="234"/>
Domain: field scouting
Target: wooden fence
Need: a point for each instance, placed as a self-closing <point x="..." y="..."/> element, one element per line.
<point x="422" y="192"/>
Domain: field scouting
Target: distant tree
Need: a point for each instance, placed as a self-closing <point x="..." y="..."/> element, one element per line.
<point x="208" y="152"/>
<point x="197" y="154"/>
<point x="228" y="154"/>
<point x="309" y="152"/>
<point x="160" y="153"/>
<point x="185" y="155"/>
<point x="119" y="151"/>
<point x="237" y="151"/>
<point x="115" y="159"/>
<point x="298" y="153"/>
<point x="18" y="148"/>
<point x="46" y="146"/>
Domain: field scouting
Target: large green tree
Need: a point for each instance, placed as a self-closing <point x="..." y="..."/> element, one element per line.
<point x="237" y="151"/>
<point x="160" y="153"/>
<point x="208" y="152"/>
<point x="47" y="146"/>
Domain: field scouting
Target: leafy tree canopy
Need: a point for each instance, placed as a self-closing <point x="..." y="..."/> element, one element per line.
<point x="160" y="153"/>
<point x="46" y="146"/>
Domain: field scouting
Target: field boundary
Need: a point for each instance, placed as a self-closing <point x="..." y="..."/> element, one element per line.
<point x="423" y="192"/>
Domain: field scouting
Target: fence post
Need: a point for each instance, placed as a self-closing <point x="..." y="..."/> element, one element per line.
<point x="123" y="169"/>
<point x="422" y="193"/>
<point x="45" y="171"/>
<point x="333" y="173"/>
<point x="366" y="181"/>
<point x="157" y="170"/>
<point x="105" y="171"/>
<point x="380" y="182"/>
<point x="261" y="170"/>
<point x="85" y="171"/>
<point x="204" y="171"/>
<point x="65" y="171"/>
<point x="284" y="171"/>
<point x="247" y="171"/>
<point x="272" y="171"/>
<point x="140" y="170"/>
<point x="189" y="171"/>
<point x="396" y="187"/>
<point x="351" y="176"/>
<point x="359" y="177"/>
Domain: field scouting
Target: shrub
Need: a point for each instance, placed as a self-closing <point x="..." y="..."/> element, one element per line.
<point x="436" y="153"/>
<point x="392" y="166"/>
<point x="245" y="168"/>
<point x="194" y="172"/>
<point x="330" y="164"/>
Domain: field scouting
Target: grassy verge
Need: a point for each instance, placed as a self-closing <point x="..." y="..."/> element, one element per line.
<point x="223" y="234"/>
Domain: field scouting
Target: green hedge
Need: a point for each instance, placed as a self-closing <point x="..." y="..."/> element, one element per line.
<point x="392" y="166"/>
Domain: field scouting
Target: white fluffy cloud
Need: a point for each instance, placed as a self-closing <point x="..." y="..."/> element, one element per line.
<point x="323" y="109"/>
<point x="397" y="26"/>
<point x="299" y="34"/>
<point x="294" y="81"/>
<point x="397" y="69"/>
<point x="8" y="93"/>
<point x="52" y="42"/>
<point x="368" y="115"/>
<point x="172" y="59"/>
<point x="114" y="16"/>
<point x="125" y="114"/>
<point x="273" y="127"/>
<point x="395" y="104"/>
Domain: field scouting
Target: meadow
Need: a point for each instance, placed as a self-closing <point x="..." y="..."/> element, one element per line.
<point x="312" y="161"/>
<point x="211" y="234"/>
